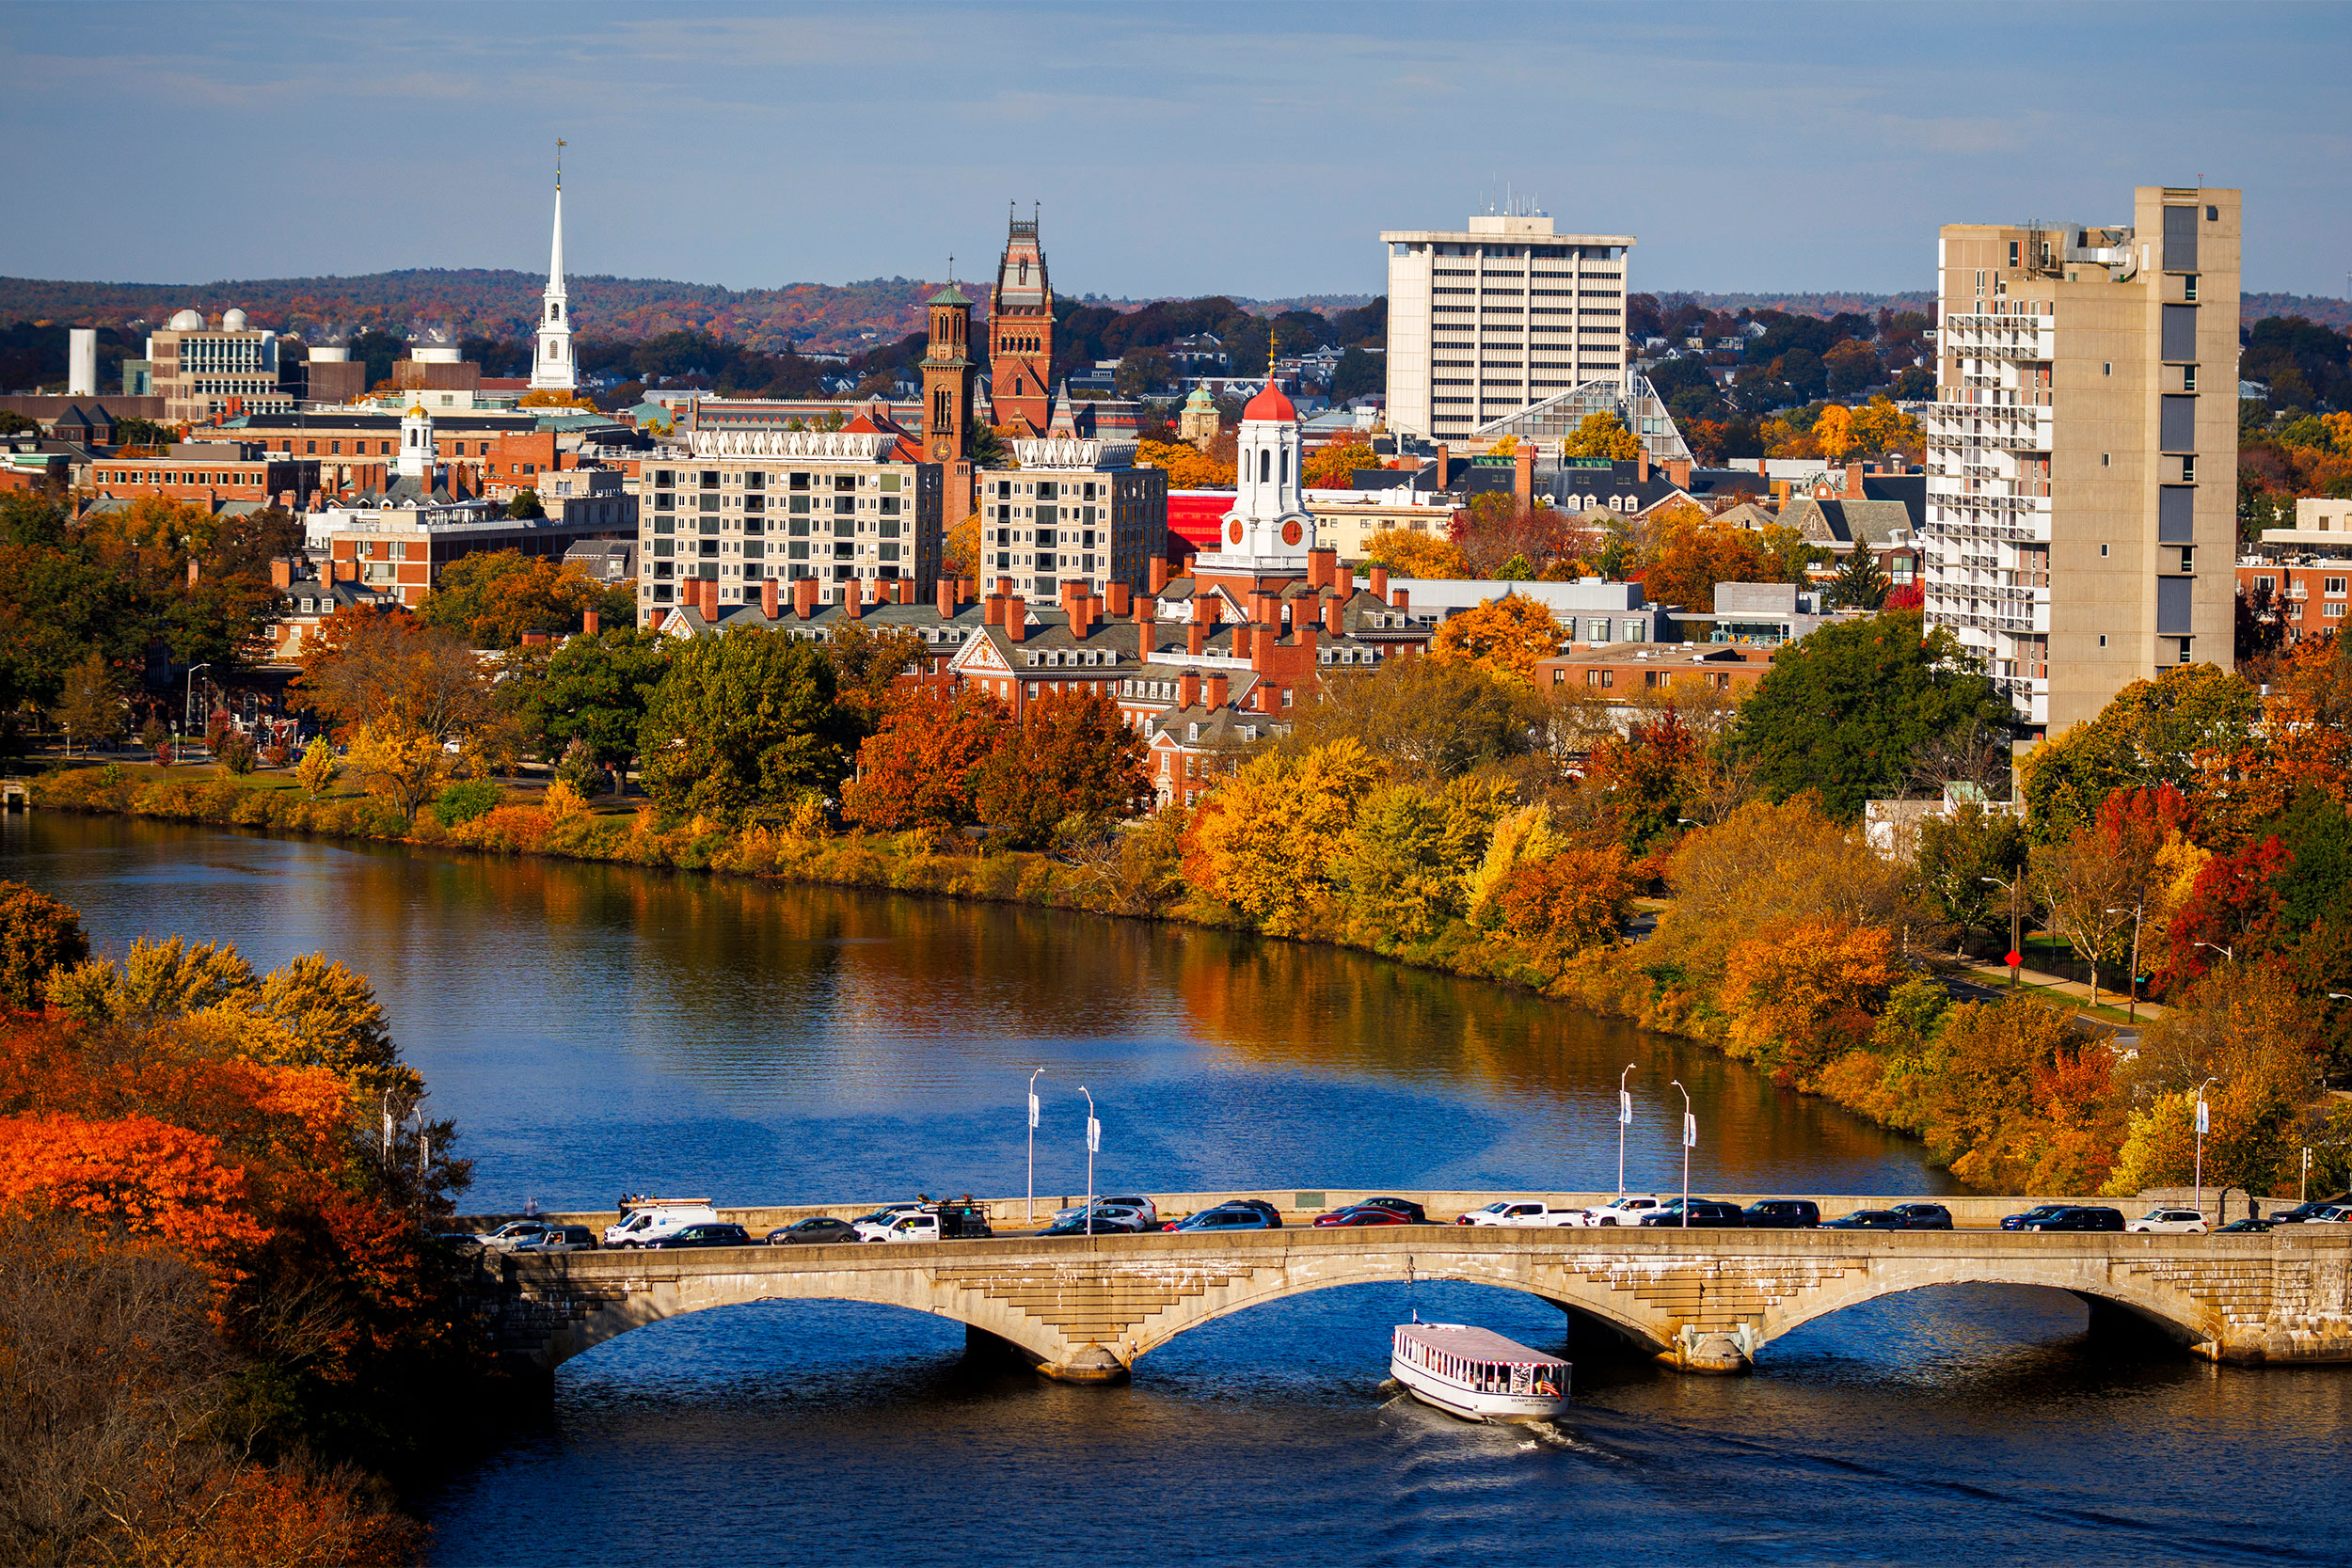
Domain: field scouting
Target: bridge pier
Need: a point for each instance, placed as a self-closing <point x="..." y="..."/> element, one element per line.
<point x="1089" y="1364"/>
<point x="1713" y="1353"/>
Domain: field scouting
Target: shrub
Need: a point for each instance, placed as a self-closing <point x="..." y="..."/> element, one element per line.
<point x="464" y="800"/>
<point x="236" y="752"/>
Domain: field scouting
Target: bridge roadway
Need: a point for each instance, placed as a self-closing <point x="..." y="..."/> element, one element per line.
<point x="1084" y="1310"/>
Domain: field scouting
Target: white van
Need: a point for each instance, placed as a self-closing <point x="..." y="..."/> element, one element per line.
<point x="651" y="1217"/>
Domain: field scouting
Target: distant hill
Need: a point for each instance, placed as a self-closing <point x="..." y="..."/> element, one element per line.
<point x="456" y="302"/>
<point x="498" y="302"/>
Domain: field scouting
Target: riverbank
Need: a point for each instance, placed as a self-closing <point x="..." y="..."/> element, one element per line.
<point x="1836" y="1013"/>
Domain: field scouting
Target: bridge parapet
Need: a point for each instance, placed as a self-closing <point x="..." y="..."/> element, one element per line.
<point x="1085" y="1309"/>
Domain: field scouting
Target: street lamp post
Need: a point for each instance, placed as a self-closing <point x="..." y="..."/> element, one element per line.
<point x="2137" y="909"/>
<point x="1033" y="1143"/>
<point x="2202" y="1118"/>
<point x="187" y="705"/>
<point x="2014" y="934"/>
<point x="1094" y="1142"/>
<point x="1690" y="1137"/>
<point x="2303" y="1191"/>
<point x="2229" y="952"/>
<point x="1625" y="1120"/>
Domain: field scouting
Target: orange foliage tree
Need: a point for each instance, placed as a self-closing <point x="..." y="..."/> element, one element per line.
<point x="37" y="935"/>
<point x="1407" y="554"/>
<point x="1333" y="467"/>
<point x="1800" y="992"/>
<point x="1574" y="900"/>
<point x="1071" y="756"/>
<point x="1503" y="637"/>
<point x="917" y="768"/>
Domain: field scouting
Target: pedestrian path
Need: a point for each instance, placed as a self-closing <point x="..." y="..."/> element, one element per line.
<point x="1996" y="976"/>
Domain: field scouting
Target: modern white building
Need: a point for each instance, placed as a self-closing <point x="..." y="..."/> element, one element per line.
<point x="1485" y="320"/>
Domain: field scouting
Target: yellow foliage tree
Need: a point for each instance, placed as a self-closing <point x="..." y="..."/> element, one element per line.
<point x="1503" y="635"/>
<point x="1522" y="837"/>
<point x="1269" y="840"/>
<point x="1334" y="467"/>
<point x="1415" y="554"/>
<point x="318" y="766"/>
<point x="961" y="555"/>
<point x="1187" y="468"/>
<point x="549" y="397"/>
<point x="1604" y="435"/>
<point x="1834" y="433"/>
<point x="1880" y="427"/>
<point x="401" y="764"/>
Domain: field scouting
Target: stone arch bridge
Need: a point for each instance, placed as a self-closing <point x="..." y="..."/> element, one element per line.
<point x="1084" y="1310"/>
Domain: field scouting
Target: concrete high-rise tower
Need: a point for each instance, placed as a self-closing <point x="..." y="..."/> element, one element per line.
<point x="2082" y="450"/>
<point x="552" y="369"/>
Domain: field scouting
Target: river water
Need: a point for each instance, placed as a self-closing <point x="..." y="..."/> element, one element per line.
<point x="596" y="1029"/>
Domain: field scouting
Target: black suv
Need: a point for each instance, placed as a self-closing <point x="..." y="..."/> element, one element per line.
<point x="2078" y="1219"/>
<point x="818" y="1231"/>
<point x="1706" y="1215"/>
<point x="1924" y="1216"/>
<point x="705" y="1235"/>
<point x="1779" y="1213"/>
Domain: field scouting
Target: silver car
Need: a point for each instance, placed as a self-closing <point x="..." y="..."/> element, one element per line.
<point x="1142" y="1208"/>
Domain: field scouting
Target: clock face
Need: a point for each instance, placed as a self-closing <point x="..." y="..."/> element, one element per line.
<point x="1233" y="534"/>
<point x="1290" y="534"/>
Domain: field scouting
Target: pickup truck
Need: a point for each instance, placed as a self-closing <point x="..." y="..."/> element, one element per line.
<point x="1626" y="1209"/>
<point x="1531" y="1212"/>
<point x="933" y="1221"/>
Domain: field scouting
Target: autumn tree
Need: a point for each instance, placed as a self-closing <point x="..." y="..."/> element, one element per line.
<point x="387" y="671"/>
<point x="1800" y="992"/>
<point x="1187" y="468"/>
<point x="1695" y="552"/>
<point x="37" y="934"/>
<point x="1409" y="857"/>
<point x="742" y="723"/>
<point x="1567" y="902"/>
<point x="1269" y="840"/>
<point x="2249" y="1030"/>
<point x="918" y="768"/>
<point x="1649" y="776"/>
<point x="1960" y="853"/>
<point x="89" y="708"/>
<point x="2151" y="733"/>
<point x="1430" y="720"/>
<point x="491" y="599"/>
<point x="1503" y="637"/>
<point x="1333" y="467"/>
<point x="1407" y="554"/>
<point x="868" y="659"/>
<point x="318" y="766"/>
<point x="1602" y="434"/>
<point x="1070" y="756"/>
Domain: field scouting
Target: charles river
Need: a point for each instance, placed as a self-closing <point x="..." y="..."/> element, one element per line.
<point x="594" y="1030"/>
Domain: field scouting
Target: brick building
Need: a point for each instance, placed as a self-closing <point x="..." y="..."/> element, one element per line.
<point x="1021" y="334"/>
<point x="207" y="473"/>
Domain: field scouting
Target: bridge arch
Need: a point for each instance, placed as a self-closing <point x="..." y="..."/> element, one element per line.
<point x="2177" y="1315"/>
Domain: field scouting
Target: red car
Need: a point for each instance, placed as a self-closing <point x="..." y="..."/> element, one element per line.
<point x="1362" y="1213"/>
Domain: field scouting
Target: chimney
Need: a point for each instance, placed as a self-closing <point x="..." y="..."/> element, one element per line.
<point x="1854" y="483"/>
<point x="346" y="571"/>
<point x="1159" y="574"/>
<point x="1445" y="464"/>
<point x="1323" y="566"/>
<point x="1380" y="583"/>
<point x="769" y="591"/>
<point x="1196" y="638"/>
<point x="1003" y="588"/>
<point x="1070" y="590"/>
<point x="1209" y="610"/>
<point x="1081" y="616"/>
<point x="1016" y="618"/>
<point x="1401" y="598"/>
<point x="534" y="640"/>
<point x="1523" y="475"/>
<point x="853" y="599"/>
<point x="1215" y="689"/>
<point x="803" y="598"/>
<point x="1643" y="460"/>
<point x="711" y="599"/>
<point x="1188" y="689"/>
<point x="281" y="574"/>
<point x="191" y="571"/>
<point x="945" y="599"/>
<point x="1146" y="634"/>
<point x="590" y="621"/>
<point x="1333" y="609"/>
<point x="1678" y="471"/>
<point x="1266" y="696"/>
<point x="1245" y="638"/>
<point x="1123" y="600"/>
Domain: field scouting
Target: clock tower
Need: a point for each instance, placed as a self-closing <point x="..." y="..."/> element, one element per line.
<point x="948" y="375"/>
<point x="1021" y="334"/>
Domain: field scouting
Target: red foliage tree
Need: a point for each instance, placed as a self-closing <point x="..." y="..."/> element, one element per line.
<point x="917" y="768"/>
<point x="1071" y="755"/>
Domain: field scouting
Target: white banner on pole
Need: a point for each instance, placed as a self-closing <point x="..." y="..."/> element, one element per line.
<point x="1689" y="1130"/>
<point x="1625" y="1108"/>
<point x="2204" y="1118"/>
<point x="1032" y="1110"/>
<point x="1094" y="1136"/>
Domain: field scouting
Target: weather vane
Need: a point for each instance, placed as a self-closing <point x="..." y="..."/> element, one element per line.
<point x="559" y="163"/>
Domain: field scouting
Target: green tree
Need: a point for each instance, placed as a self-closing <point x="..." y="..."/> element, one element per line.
<point x="1860" y="583"/>
<point x="742" y="724"/>
<point x="1956" y="855"/>
<point x="524" y="504"/>
<point x="1424" y="719"/>
<point x="1410" y="854"/>
<point x="867" y="659"/>
<point x="37" y="935"/>
<point x="596" y="689"/>
<point x="89" y="708"/>
<point x="1842" y="711"/>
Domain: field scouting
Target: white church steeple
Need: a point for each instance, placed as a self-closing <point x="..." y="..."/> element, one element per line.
<point x="552" y="369"/>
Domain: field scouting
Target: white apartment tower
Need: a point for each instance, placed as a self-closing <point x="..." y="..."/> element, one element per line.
<point x="1486" y="321"/>
<point x="552" y="369"/>
<point x="2082" y="450"/>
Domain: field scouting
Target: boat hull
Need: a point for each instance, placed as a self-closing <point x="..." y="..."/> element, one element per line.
<point x="1471" y="1406"/>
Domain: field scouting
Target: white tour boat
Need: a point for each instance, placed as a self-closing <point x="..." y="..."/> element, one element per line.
<point x="1476" y="1374"/>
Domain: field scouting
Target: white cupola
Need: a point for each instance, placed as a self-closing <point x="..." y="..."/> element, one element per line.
<point x="416" y="446"/>
<point x="1269" y="528"/>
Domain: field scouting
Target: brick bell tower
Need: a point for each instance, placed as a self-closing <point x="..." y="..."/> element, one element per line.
<point x="1021" y="334"/>
<point x="949" y="375"/>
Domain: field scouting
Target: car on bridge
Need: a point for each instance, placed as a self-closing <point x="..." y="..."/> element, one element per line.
<point x="1107" y="1222"/>
<point x="817" y="1231"/>
<point x="653" y="1218"/>
<point x="1361" y="1215"/>
<point x="1783" y="1214"/>
<point x="2246" y="1228"/>
<point x="1866" y="1219"/>
<point x="2169" y="1222"/>
<point x="1240" y="1214"/>
<point x="561" y="1238"/>
<point x="2079" y="1217"/>
<point x="1528" y="1212"/>
<point x="2032" y="1216"/>
<point x="1625" y="1209"/>
<point x="2304" y="1214"/>
<point x="1142" y="1206"/>
<point x="701" y="1236"/>
<point x="1924" y="1216"/>
<point x="933" y="1221"/>
<point x="1706" y="1215"/>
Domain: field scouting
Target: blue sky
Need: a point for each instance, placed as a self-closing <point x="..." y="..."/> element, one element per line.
<point x="1254" y="148"/>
